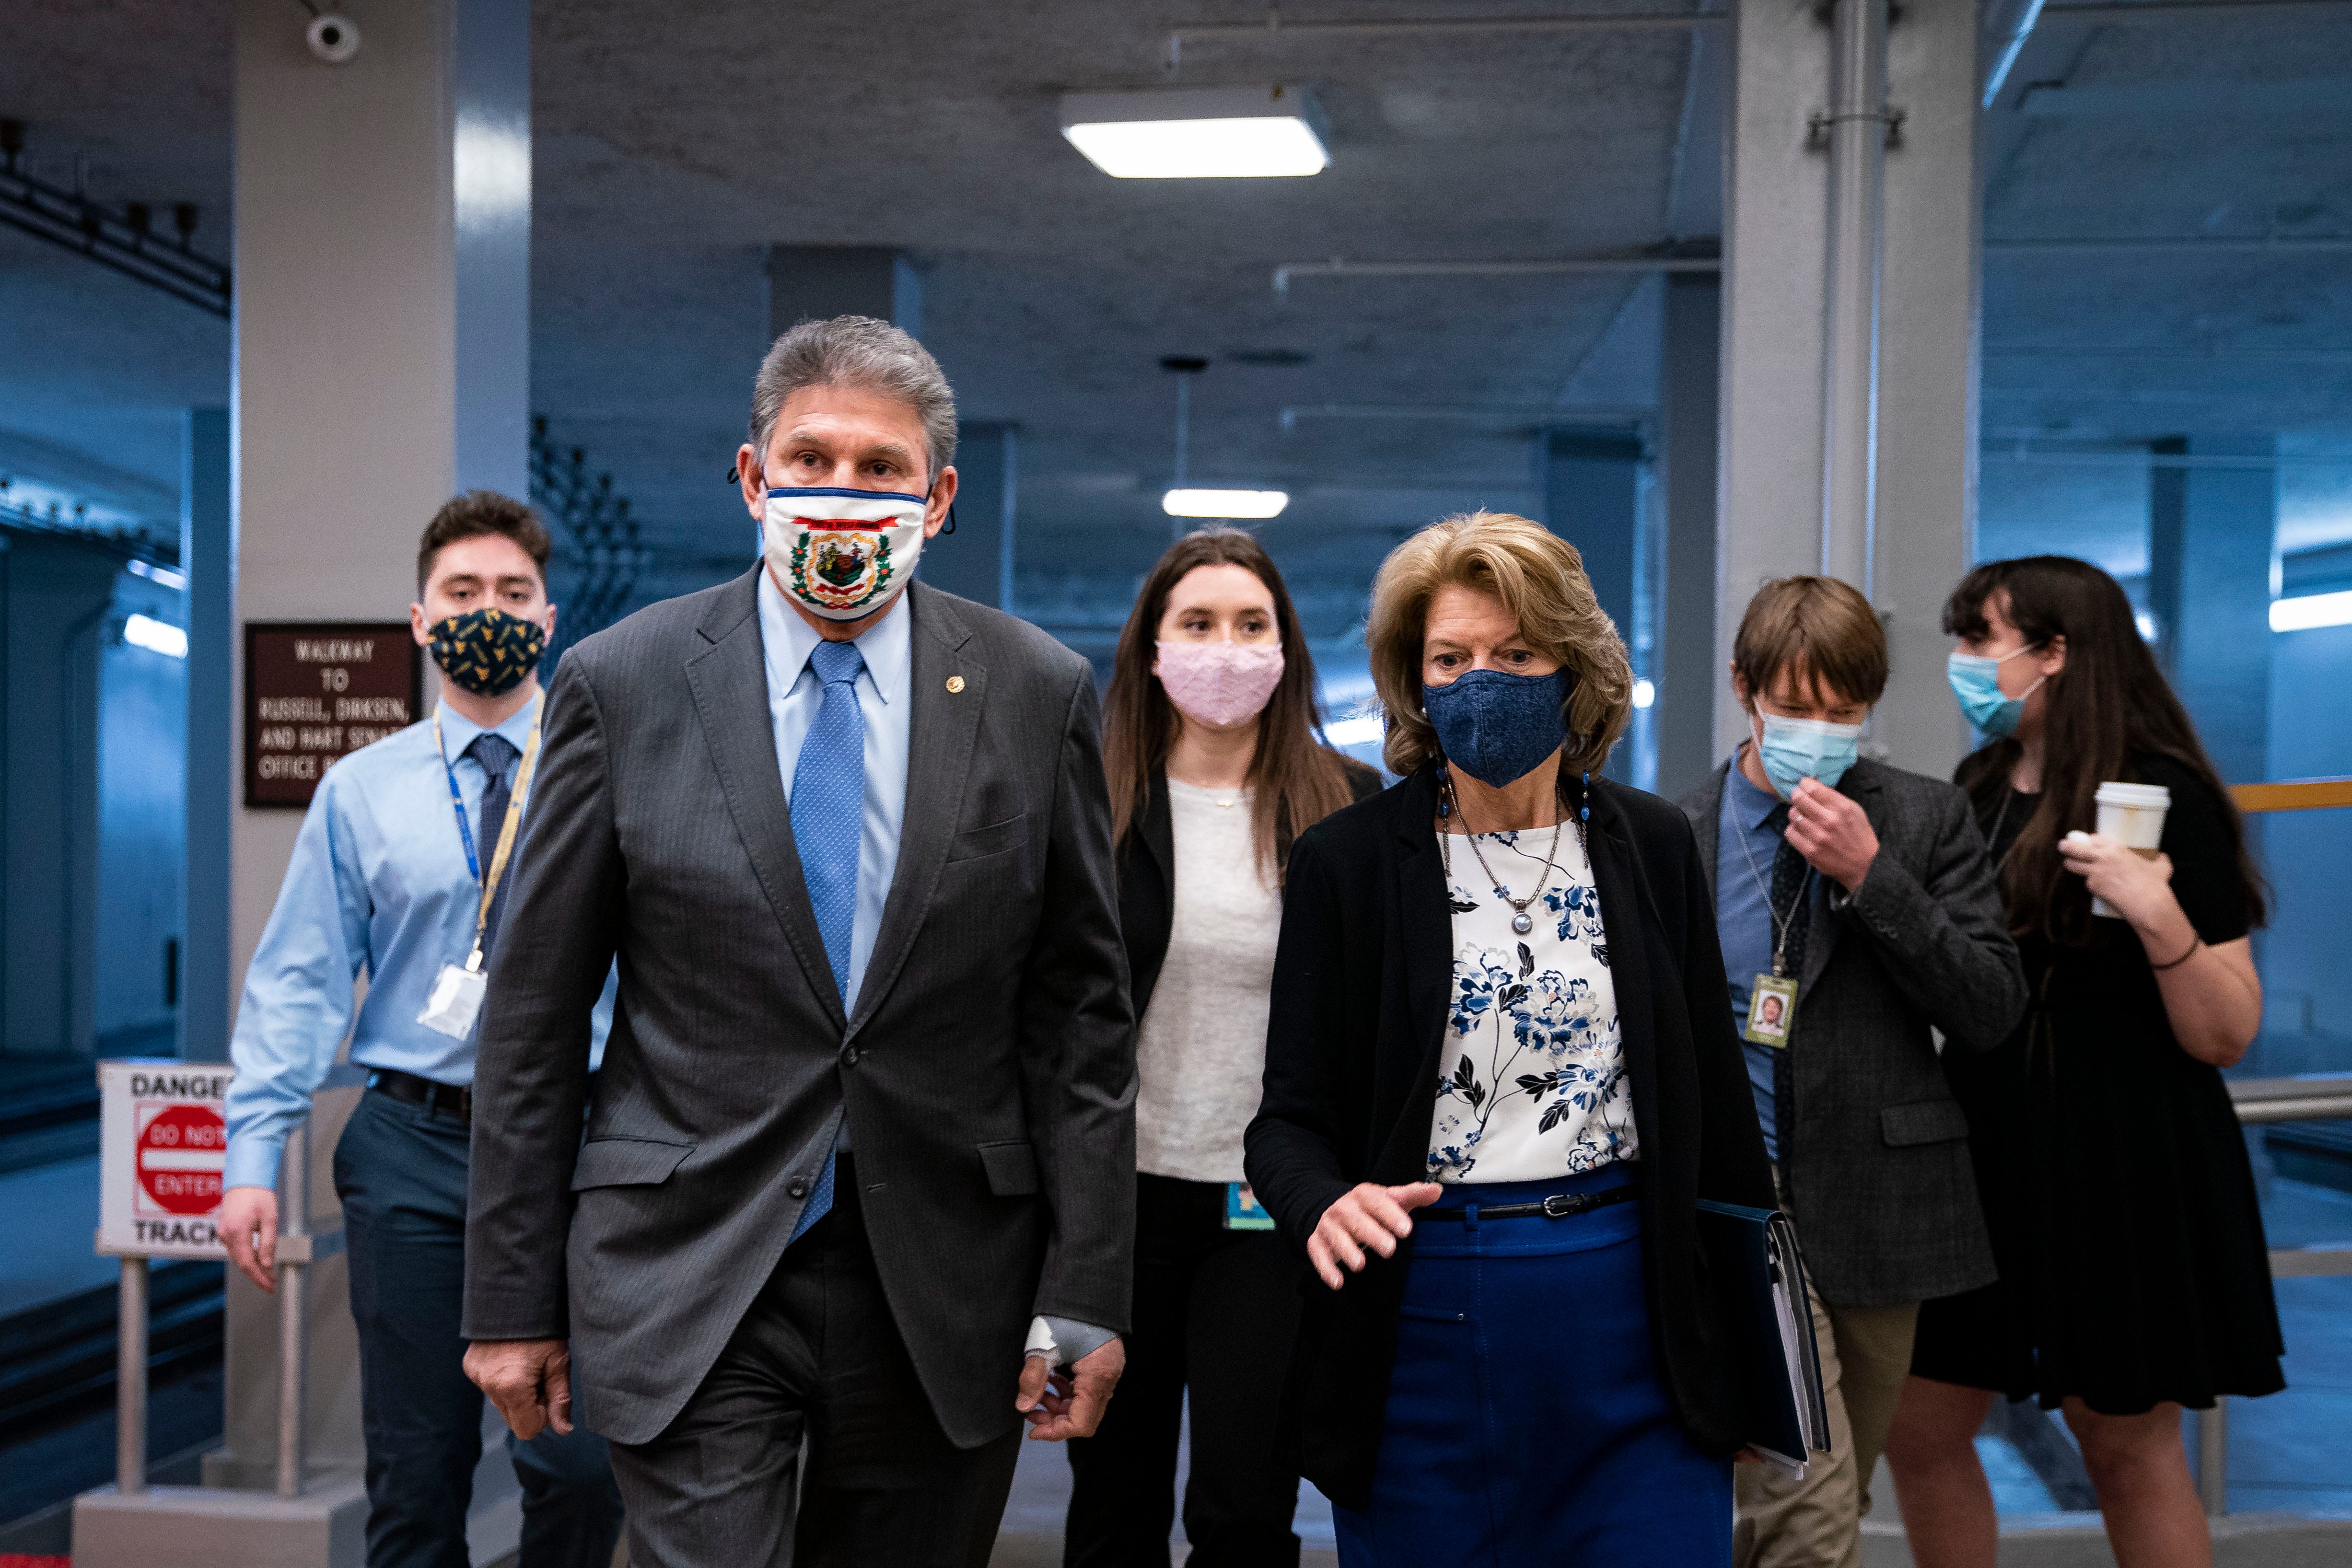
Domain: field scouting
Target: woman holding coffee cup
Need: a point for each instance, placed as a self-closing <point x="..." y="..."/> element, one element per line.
<point x="1210" y="748"/>
<point x="2135" y="1278"/>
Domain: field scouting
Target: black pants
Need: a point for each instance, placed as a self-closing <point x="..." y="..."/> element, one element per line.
<point x="1215" y="1312"/>
<point x="401" y="1173"/>
<point x="816" y="1365"/>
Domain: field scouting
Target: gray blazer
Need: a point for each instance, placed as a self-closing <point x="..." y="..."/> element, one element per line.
<point x="1879" y="1179"/>
<point x="987" y="1071"/>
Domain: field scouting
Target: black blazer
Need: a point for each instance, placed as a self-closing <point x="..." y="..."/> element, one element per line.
<point x="1353" y="1049"/>
<point x="1147" y="877"/>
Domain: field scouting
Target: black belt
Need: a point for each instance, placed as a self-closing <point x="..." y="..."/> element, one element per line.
<point x="438" y="1099"/>
<point x="1558" y="1205"/>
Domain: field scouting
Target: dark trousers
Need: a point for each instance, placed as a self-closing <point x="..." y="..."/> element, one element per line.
<point x="401" y="1173"/>
<point x="811" y="1441"/>
<point x="1216" y="1311"/>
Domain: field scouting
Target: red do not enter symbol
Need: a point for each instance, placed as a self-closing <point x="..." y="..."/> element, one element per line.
<point x="180" y="1156"/>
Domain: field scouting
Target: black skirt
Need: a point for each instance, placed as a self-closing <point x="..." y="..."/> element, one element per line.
<point x="2114" y="1176"/>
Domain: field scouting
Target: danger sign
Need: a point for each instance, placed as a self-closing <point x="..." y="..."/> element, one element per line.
<point x="162" y="1142"/>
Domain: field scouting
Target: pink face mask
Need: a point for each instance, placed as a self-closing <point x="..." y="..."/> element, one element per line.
<point x="1219" y="683"/>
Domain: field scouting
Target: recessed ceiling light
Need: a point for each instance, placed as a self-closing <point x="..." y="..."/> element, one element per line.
<point x="1251" y="503"/>
<point x="2307" y="612"/>
<point x="1197" y="133"/>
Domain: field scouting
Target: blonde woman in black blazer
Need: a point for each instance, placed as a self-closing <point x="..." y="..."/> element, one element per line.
<point x="1529" y="1389"/>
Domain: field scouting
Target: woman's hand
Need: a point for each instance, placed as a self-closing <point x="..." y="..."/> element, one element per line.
<point x="2139" y="890"/>
<point x="1368" y="1216"/>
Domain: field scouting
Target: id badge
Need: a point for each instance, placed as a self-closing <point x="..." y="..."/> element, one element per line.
<point x="1241" y="1212"/>
<point x="1771" y="1011"/>
<point x="456" y="997"/>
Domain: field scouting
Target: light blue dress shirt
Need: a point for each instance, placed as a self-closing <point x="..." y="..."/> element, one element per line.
<point x="885" y="699"/>
<point x="1743" y="921"/>
<point x="378" y="885"/>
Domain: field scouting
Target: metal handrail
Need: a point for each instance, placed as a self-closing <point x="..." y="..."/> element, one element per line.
<point x="2322" y="1097"/>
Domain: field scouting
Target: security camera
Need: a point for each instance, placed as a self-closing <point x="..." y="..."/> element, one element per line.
<point x="333" y="37"/>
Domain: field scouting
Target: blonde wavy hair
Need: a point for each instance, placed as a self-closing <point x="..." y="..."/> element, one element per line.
<point x="1540" y="578"/>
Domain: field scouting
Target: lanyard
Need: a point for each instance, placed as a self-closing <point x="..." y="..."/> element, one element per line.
<point x="507" y="829"/>
<point x="1780" y="923"/>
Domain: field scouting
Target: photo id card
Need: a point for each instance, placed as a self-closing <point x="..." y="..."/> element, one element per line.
<point x="1241" y="1212"/>
<point x="1771" y="1011"/>
<point x="456" y="997"/>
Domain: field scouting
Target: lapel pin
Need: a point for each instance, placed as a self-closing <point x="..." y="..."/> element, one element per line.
<point x="955" y="683"/>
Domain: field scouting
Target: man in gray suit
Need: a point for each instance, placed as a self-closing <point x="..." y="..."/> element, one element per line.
<point x="1858" y="912"/>
<point x="864" y="1130"/>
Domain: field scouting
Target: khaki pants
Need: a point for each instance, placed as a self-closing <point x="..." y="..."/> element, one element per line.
<point x="1817" y="1522"/>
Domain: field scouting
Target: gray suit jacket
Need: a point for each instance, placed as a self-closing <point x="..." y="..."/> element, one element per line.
<point x="987" y="1070"/>
<point x="1877" y="1169"/>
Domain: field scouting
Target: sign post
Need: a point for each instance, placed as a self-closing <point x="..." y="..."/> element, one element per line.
<point x="162" y="1140"/>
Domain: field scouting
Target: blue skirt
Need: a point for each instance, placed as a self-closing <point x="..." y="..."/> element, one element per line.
<point x="1526" y="1423"/>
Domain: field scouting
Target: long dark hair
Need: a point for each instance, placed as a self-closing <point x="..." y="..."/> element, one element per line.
<point x="1297" y="780"/>
<point x="2108" y="704"/>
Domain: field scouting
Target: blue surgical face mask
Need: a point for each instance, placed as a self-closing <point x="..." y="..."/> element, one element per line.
<point x="1795" y="749"/>
<point x="1497" y="726"/>
<point x="1976" y="682"/>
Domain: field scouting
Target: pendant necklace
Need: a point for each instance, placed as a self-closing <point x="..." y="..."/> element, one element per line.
<point x="1521" y="921"/>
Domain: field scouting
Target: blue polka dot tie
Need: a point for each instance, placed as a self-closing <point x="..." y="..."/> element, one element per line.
<point x="828" y="808"/>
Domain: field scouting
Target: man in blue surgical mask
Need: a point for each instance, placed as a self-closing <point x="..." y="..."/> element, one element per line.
<point x="1858" y="909"/>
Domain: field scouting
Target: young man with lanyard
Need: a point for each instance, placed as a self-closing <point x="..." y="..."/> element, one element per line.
<point x="400" y="870"/>
<point x="1858" y="912"/>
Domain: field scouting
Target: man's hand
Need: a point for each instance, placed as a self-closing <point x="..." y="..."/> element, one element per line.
<point x="529" y="1380"/>
<point x="1367" y="1216"/>
<point x="1831" y="832"/>
<point x="248" y="1228"/>
<point x="1069" y="1403"/>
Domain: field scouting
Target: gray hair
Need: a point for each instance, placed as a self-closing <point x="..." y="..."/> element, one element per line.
<point x="858" y="351"/>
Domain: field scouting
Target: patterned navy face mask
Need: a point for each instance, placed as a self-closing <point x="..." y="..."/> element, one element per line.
<point x="1497" y="727"/>
<point x="487" y="651"/>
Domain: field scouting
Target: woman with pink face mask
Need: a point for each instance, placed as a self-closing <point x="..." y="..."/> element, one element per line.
<point x="1209" y="739"/>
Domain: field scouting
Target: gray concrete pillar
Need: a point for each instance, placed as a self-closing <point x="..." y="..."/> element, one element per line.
<point x="2213" y="544"/>
<point x="976" y="560"/>
<point x="382" y="264"/>
<point x="208" y="560"/>
<point x="1778" y="350"/>
<point x="1592" y="487"/>
<point x="1686" y="674"/>
<point x="816" y="282"/>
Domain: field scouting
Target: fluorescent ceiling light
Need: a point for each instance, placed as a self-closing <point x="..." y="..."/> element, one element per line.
<point x="1644" y="694"/>
<point x="1198" y="134"/>
<point x="2311" y="610"/>
<point x="1251" y="503"/>
<point x="1362" y="730"/>
<point x="155" y="637"/>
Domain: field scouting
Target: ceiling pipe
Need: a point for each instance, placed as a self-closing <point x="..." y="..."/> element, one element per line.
<point x="1274" y="27"/>
<point x="2128" y="12"/>
<point x="2290" y="244"/>
<point x="1582" y="266"/>
<point x="1857" y="128"/>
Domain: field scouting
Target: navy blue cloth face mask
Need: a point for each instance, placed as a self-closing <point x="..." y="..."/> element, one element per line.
<point x="1497" y="726"/>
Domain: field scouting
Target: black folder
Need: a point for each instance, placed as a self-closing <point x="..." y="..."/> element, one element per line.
<point x="1754" y="1254"/>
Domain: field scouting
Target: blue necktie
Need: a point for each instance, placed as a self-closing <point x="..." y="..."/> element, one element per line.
<point x="828" y="820"/>
<point x="495" y="756"/>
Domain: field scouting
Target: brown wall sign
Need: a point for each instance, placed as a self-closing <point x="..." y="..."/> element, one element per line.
<point x="317" y="689"/>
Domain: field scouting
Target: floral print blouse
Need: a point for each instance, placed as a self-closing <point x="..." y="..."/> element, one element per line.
<point x="1532" y="1079"/>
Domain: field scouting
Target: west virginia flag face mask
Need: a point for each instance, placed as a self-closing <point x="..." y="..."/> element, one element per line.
<point x="843" y="553"/>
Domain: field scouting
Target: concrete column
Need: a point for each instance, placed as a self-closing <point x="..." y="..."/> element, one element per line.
<point x="1591" y="485"/>
<point x="1686" y="673"/>
<point x="382" y="210"/>
<point x="1783" y="363"/>
<point x="976" y="560"/>
<point x="816" y="282"/>
<point x="2212" y="540"/>
<point x="55" y="595"/>
<point x="208" y="559"/>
